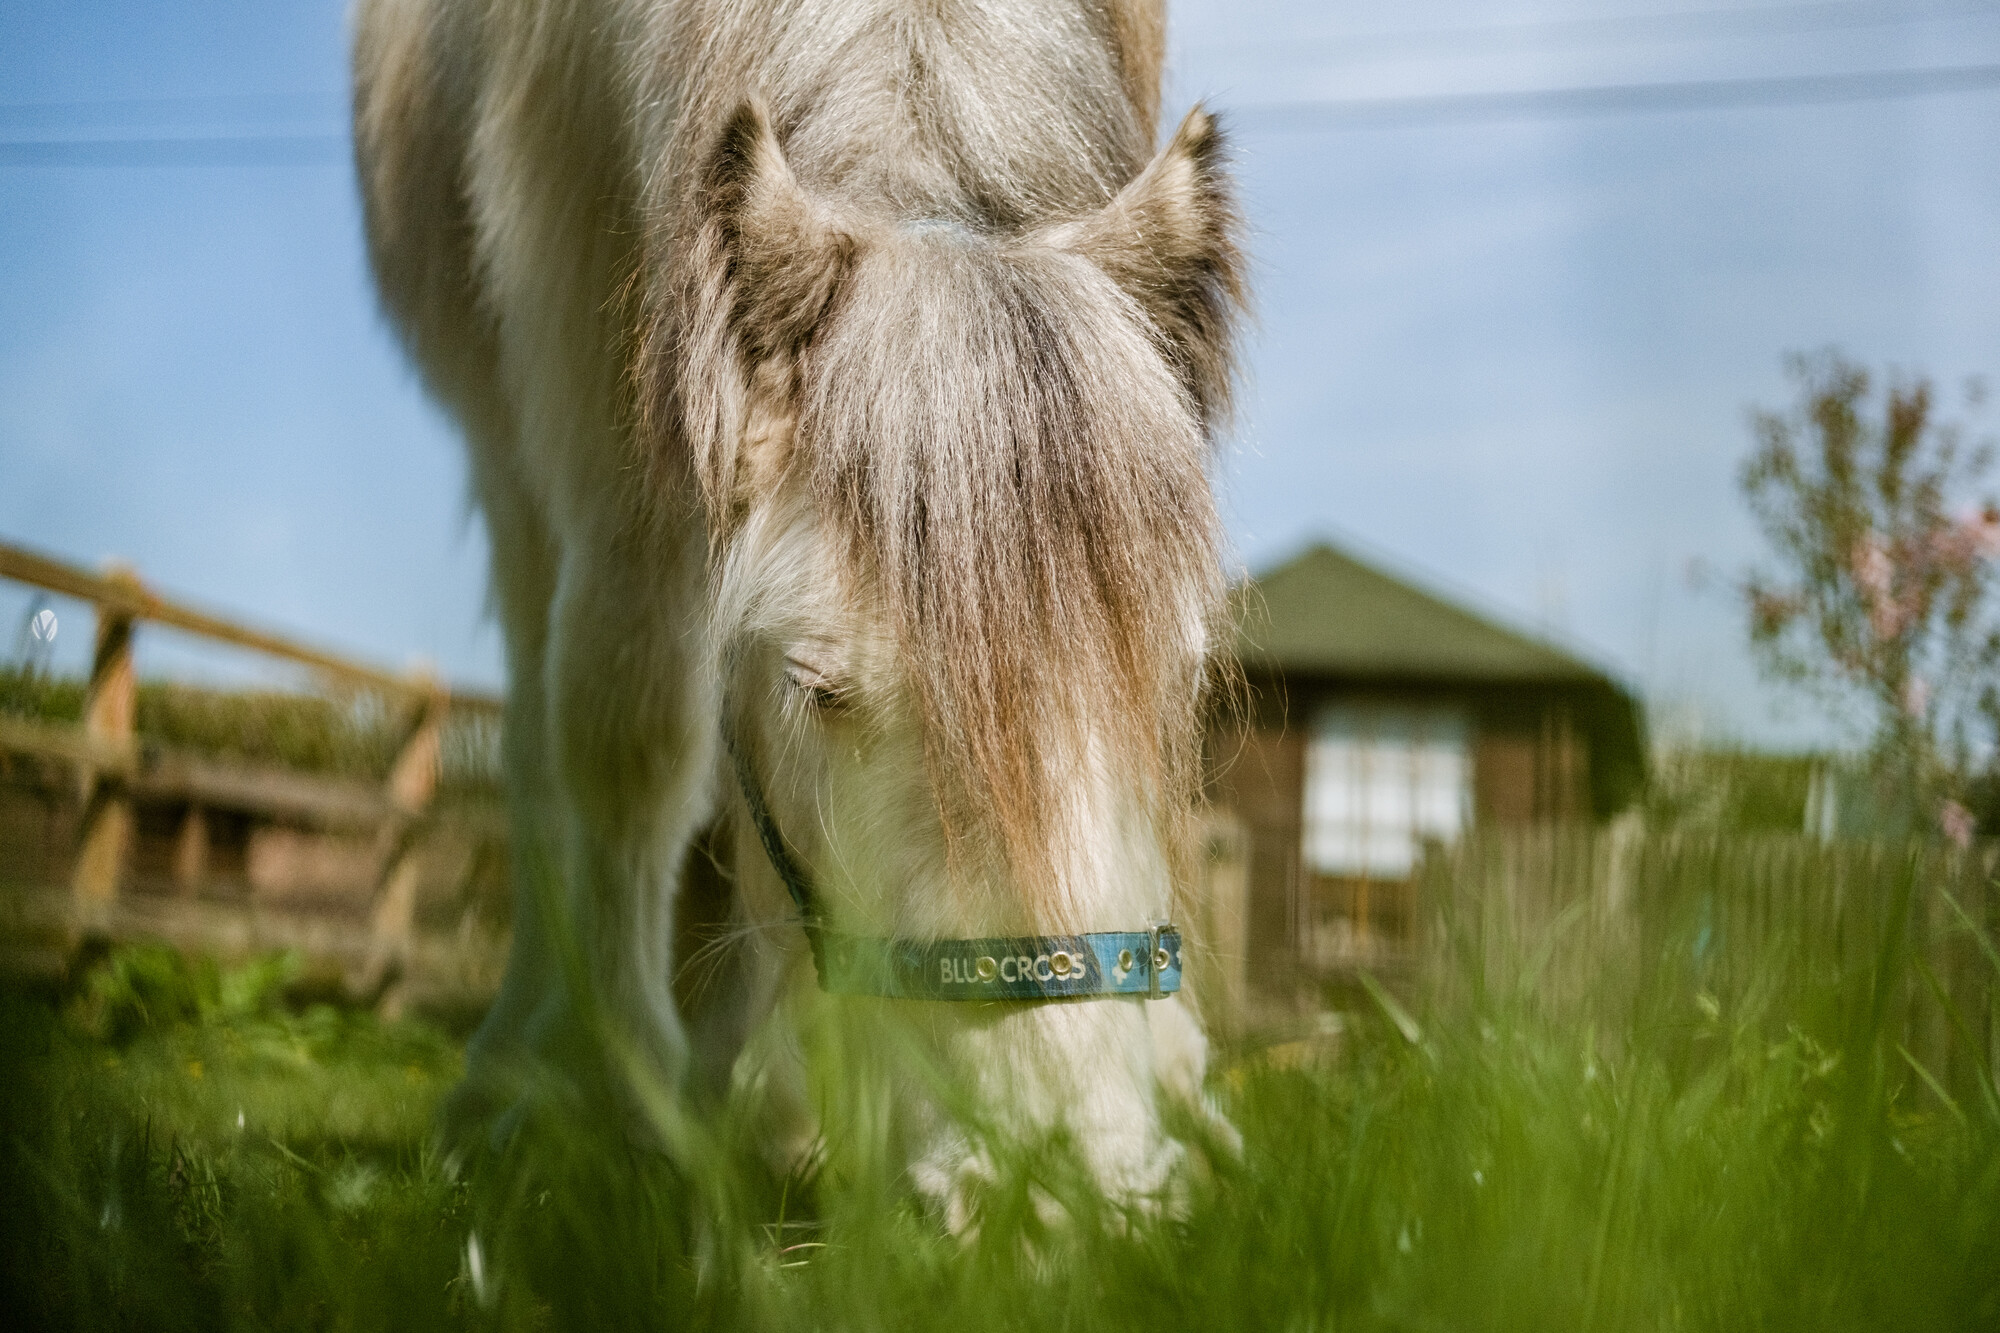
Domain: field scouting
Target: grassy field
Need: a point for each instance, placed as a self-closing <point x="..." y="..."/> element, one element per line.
<point x="1688" y="1150"/>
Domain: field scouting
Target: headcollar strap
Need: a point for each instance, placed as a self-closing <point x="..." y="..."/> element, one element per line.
<point x="1026" y="967"/>
<point x="798" y="883"/>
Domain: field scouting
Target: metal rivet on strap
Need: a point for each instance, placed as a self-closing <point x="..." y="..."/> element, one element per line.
<point x="987" y="969"/>
<point x="1124" y="960"/>
<point x="1059" y="963"/>
<point x="1161" y="960"/>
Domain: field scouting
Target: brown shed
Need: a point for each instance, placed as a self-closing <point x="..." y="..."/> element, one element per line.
<point x="1380" y="717"/>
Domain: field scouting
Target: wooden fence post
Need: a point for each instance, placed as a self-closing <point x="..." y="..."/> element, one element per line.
<point x="191" y="851"/>
<point x="412" y="782"/>
<point x="104" y="845"/>
<point x="1221" y="925"/>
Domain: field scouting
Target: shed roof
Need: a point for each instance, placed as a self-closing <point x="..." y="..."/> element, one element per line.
<point x="1325" y="612"/>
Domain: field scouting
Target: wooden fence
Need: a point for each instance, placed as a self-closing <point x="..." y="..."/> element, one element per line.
<point x="92" y="781"/>
<point x="1628" y="925"/>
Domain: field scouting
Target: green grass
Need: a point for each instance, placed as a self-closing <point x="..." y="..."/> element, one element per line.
<point x="184" y="1151"/>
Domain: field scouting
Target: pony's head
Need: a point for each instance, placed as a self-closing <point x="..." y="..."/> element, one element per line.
<point x="967" y="581"/>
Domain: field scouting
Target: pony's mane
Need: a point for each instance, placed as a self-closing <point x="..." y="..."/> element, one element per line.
<point x="1021" y="479"/>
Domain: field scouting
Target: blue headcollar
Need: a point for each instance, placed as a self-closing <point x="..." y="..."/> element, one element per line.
<point x="1025" y="967"/>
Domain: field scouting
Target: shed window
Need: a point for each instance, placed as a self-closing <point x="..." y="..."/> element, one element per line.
<point x="1380" y="780"/>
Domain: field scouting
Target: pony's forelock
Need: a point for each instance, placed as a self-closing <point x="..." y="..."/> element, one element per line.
<point x="1019" y="479"/>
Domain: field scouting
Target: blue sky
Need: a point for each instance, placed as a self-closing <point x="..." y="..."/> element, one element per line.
<point x="1511" y="356"/>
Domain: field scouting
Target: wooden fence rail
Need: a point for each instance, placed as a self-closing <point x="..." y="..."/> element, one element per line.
<point x="114" y="773"/>
<point x="119" y="596"/>
<point x="1605" y="924"/>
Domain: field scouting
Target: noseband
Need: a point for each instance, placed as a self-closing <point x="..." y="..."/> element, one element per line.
<point x="1023" y="967"/>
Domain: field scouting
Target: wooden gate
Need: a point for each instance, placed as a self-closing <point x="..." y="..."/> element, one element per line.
<point x="109" y="834"/>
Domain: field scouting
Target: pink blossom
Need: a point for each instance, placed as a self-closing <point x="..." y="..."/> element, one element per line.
<point x="1973" y="536"/>
<point x="1957" y="823"/>
<point x="1875" y="576"/>
<point x="1872" y="570"/>
<point x="1982" y="530"/>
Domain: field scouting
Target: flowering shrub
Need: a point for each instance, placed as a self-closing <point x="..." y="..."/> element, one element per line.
<point x="1885" y="569"/>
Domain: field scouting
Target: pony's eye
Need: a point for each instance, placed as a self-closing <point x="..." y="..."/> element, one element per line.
<point x="820" y="689"/>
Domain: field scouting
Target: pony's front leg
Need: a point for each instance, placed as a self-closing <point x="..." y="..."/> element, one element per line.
<point x="769" y="1086"/>
<point x="631" y="700"/>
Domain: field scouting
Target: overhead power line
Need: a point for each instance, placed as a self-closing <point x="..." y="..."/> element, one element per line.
<point x="210" y="109"/>
<point x="1624" y="29"/>
<point x="216" y="129"/>
<point x="174" y="150"/>
<point x="1363" y="113"/>
<point x="1306" y="116"/>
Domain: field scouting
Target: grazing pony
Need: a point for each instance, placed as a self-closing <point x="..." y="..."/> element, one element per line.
<point x="838" y="377"/>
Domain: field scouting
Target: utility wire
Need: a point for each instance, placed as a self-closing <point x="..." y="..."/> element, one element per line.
<point x="1312" y="116"/>
<point x="205" y="130"/>
<point x="175" y="150"/>
<point x="212" y="108"/>
<point x="1306" y="116"/>
<point x="1679" y="26"/>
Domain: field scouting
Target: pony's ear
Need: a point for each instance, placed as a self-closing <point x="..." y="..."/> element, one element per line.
<point x="1169" y="239"/>
<point x="767" y="260"/>
<point x="783" y="253"/>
